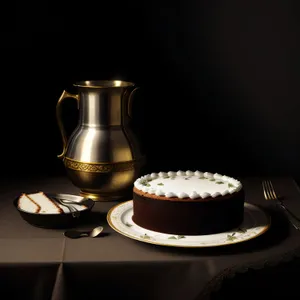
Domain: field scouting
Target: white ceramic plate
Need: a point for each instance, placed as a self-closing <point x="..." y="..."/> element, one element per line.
<point x="256" y="222"/>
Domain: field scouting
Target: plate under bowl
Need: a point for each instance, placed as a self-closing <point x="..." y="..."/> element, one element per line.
<point x="57" y="221"/>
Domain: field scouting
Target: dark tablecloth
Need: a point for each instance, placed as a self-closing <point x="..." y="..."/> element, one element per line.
<point x="40" y="263"/>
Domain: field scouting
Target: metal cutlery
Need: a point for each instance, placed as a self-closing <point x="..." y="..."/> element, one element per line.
<point x="68" y="201"/>
<point x="75" y="234"/>
<point x="270" y="194"/>
<point x="73" y="210"/>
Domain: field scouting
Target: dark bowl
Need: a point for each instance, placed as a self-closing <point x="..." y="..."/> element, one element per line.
<point x="58" y="221"/>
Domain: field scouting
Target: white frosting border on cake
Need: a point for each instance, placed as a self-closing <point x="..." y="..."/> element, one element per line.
<point x="229" y="184"/>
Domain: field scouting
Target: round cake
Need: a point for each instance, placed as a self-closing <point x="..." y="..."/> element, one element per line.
<point x="188" y="203"/>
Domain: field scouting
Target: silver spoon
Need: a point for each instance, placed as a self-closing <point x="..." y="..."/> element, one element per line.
<point x="74" y="234"/>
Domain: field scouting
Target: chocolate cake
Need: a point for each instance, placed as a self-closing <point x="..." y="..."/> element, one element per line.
<point x="188" y="203"/>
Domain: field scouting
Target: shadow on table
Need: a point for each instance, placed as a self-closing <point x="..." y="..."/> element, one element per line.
<point x="95" y="218"/>
<point x="279" y="231"/>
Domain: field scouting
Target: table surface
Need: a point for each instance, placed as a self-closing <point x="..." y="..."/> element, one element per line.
<point x="115" y="258"/>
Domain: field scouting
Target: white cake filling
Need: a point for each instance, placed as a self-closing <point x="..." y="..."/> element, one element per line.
<point x="26" y="204"/>
<point x="45" y="204"/>
<point x="187" y="184"/>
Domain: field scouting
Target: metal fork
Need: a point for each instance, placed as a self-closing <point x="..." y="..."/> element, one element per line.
<point x="75" y="213"/>
<point x="270" y="194"/>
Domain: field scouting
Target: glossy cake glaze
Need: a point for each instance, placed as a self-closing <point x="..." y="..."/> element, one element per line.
<point x="188" y="203"/>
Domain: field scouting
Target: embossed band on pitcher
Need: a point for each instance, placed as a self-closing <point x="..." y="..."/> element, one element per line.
<point x="100" y="167"/>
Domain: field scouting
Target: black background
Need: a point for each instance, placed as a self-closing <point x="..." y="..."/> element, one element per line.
<point x="219" y="79"/>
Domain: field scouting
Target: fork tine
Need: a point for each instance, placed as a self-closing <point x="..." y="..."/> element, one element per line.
<point x="265" y="190"/>
<point x="263" y="187"/>
<point x="272" y="190"/>
<point x="268" y="190"/>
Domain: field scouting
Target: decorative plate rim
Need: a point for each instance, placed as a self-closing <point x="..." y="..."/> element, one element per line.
<point x="154" y="242"/>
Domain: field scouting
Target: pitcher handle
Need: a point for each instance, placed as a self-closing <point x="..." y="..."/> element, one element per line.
<point x="61" y="126"/>
<point x="130" y="101"/>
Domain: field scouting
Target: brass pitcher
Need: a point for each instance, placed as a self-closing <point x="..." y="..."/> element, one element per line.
<point x="102" y="156"/>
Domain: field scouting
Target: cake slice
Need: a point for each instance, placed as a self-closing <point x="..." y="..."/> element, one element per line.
<point x="26" y="204"/>
<point x="47" y="205"/>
